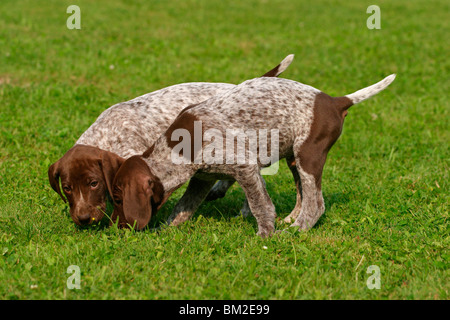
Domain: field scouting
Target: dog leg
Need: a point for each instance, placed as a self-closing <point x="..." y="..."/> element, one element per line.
<point x="298" y="205"/>
<point x="192" y="198"/>
<point x="245" y="210"/>
<point x="258" y="199"/>
<point x="310" y="169"/>
<point x="219" y="189"/>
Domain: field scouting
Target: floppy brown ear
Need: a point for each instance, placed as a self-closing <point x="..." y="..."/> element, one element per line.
<point x="110" y="164"/>
<point x="53" y="178"/>
<point x="136" y="204"/>
<point x="157" y="194"/>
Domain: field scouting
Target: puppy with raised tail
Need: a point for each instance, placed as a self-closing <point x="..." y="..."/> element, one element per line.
<point x="307" y="121"/>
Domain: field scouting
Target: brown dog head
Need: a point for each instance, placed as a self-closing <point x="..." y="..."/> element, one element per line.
<point x="137" y="193"/>
<point x="86" y="175"/>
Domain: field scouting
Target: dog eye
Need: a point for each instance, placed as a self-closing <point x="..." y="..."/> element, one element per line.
<point x="94" y="184"/>
<point x="117" y="201"/>
<point x="67" y="189"/>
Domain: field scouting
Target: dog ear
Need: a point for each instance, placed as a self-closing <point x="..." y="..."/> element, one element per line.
<point x="136" y="203"/>
<point x="157" y="194"/>
<point x="53" y="178"/>
<point x="110" y="164"/>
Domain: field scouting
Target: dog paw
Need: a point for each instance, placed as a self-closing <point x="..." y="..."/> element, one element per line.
<point x="291" y="217"/>
<point x="265" y="232"/>
<point x="288" y="219"/>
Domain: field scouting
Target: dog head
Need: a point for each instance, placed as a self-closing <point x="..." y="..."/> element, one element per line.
<point x="86" y="174"/>
<point x="137" y="193"/>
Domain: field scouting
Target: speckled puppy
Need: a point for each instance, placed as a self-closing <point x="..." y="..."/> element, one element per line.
<point x="125" y="129"/>
<point x="308" y="121"/>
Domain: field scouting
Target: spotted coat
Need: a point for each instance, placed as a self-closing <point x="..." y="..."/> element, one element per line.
<point x="308" y="121"/>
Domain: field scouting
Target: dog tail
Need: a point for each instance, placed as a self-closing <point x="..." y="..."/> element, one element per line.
<point x="366" y="93"/>
<point x="275" y="72"/>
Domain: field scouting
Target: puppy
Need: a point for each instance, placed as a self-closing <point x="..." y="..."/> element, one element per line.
<point x="304" y="124"/>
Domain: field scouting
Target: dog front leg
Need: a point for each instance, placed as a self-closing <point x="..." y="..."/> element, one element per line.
<point x="194" y="195"/>
<point x="258" y="199"/>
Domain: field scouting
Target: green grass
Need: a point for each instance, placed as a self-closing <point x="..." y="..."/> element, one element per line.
<point x="385" y="183"/>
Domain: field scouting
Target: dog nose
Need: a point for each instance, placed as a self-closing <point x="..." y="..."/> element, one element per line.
<point x="84" y="219"/>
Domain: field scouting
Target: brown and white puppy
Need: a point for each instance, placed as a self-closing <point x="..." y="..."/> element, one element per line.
<point x="85" y="172"/>
<point x="306" y="123"/>
<point x="125" y="129"/>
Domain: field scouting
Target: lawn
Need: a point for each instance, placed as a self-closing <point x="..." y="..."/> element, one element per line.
<point x="385" y="182"/>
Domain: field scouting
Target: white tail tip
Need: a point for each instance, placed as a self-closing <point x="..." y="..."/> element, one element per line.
<point x="275" y="72"/>
<point x="287" y="61"/>
<point x="372" y="90"/>
<point x="284" y="64"/>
